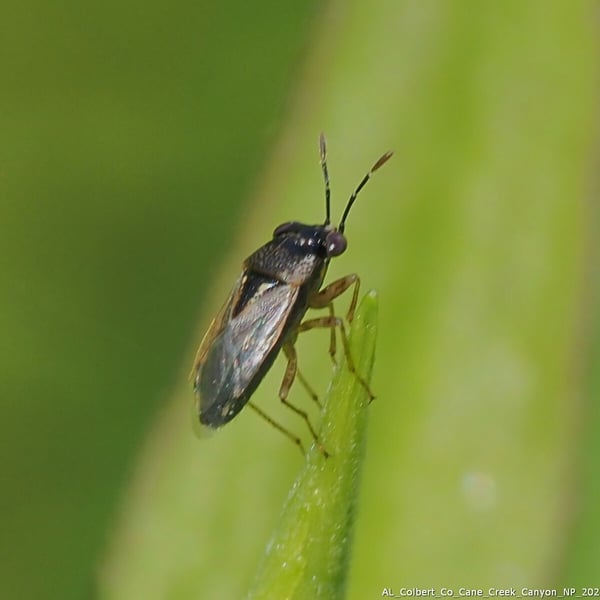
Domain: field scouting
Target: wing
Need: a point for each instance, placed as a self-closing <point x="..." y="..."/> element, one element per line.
<point x="241" y="350"/>
<point x="215" y="328"/>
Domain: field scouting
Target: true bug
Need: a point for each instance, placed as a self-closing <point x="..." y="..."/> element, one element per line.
<point x="263" y="315"/>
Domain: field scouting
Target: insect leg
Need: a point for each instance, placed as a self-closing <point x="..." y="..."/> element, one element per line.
<point x="325" y="298"/>
<point x="332" y="340"/>
<point x="335" y="289"/>
<point x="290" y="353"/>
<point x="275" y="424"/>
<point x="286" y="384"/>
<point x="337" y="322"/>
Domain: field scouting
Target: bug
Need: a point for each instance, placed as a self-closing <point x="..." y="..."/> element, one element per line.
<point x="263" y="315"/>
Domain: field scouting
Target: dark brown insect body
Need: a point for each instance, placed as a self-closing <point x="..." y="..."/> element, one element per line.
<point x="263" y="314"/>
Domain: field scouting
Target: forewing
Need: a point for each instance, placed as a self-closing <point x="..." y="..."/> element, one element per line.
<point x="215" y="328"/>
<point x="234" y="363"/>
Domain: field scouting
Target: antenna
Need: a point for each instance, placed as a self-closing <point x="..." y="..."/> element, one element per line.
<point x="323" y="149"/>
<point x="382" y="160"/>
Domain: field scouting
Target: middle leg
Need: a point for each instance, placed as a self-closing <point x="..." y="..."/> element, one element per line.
<point x="333" y="322"/>
<point x="290" y="374"/>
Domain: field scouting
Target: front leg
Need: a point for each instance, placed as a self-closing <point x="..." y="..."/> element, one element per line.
<point x="330" y="292"/>
<point x="333" y="323"/>
<point x="325" y="298"/>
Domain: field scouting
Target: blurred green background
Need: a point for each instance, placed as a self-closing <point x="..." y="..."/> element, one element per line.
<point x="145" y="149"/>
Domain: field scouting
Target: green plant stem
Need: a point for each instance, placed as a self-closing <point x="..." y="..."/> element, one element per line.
<point x="309" y="553"/>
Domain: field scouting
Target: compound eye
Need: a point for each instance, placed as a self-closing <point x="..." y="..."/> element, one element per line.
<point x="284" y="228"/>
<point x="335" y="243"/>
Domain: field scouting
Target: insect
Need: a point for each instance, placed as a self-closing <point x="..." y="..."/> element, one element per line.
<point x="263" y="315"/>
